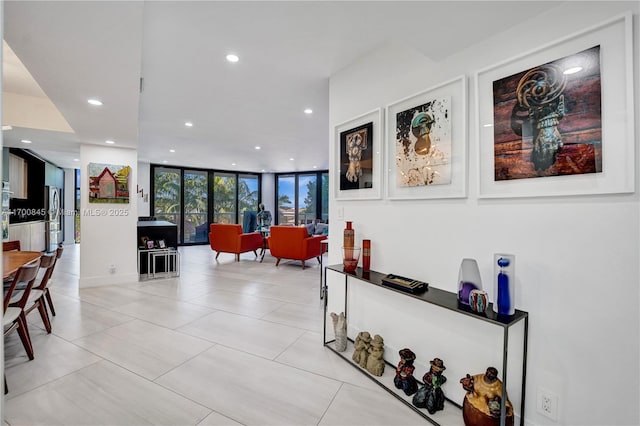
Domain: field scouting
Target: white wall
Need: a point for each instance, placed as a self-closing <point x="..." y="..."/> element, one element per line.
<point x="109" y="233"/>
<point x="576" y="257"/>
<point x="144" y="184"/>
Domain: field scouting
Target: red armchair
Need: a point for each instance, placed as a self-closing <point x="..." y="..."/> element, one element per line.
<point x="294" y="242"/>
<point x="228" y="238"/>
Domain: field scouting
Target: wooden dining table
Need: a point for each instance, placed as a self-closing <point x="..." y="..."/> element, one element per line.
<point x="13" y="260"/>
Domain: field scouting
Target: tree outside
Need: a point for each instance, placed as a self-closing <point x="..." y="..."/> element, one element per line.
<point x="167" y="189"/>
<point x="224" y="198"/>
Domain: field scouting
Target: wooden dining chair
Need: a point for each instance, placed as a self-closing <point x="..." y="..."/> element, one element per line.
<point x="36" y="297"/>
<point x="47" y="293"/>
<point x="11" y="245"/>
<point x="14" y="318"/>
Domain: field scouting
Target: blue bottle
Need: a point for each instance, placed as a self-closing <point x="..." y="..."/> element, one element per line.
<point x="504" y="267"/>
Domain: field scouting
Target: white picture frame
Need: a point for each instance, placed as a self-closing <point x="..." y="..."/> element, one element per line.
<point x="452" y="96"/>
<point x="371" y="189"/>
<point x="618" y="153"/>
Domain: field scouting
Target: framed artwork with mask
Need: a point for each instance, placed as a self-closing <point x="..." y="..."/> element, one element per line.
<point x="558" y="120"/>
<point x="358" y="157"/>
<point x="426" y="144"/>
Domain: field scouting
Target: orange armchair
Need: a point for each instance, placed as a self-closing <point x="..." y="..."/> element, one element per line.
<point x="294" y="242"/>
<point x="228" y="238"/>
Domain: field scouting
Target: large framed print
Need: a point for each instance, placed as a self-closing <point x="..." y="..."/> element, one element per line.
<point x="426" y="148"/>
<point x="559" y="120"/>
<point x="358" y="171"/>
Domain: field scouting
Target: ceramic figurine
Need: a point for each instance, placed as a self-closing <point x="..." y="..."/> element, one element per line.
<point x="375" y="361"/>
<point x="404" y="372"/>
<point x="481" y="405"/>
<point x="431" y="396"/>
<point x="361" y="351"/>
<point x="340" y="330"/>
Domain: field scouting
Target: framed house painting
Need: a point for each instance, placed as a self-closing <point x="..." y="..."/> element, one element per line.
<point x="358" y="157"/>
<point x="108" y="183"/>
<point x="426" y="143"/>
<point x="559" y="121"/>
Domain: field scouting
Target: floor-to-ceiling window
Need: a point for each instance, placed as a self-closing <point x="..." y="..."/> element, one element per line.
<point x="324" y="197"/>
<point x="196" y="206"/>
<point x="307" y="198"/>
<point x="248" y="193"/>
<point x="194" y="198"/>
<point x="224" y="198"/>
<point x="286" y="196"/>
<point x="167" y="193"/>
<point x="300" y="199"/>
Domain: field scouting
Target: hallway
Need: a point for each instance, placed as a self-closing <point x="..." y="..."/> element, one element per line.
<point x="226" y="343"/>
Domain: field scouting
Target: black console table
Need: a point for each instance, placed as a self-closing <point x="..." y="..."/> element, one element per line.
<point x="164" y="259"/>
<point x="443" y="299"/>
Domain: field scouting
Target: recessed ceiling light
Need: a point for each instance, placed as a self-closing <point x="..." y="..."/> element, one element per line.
<point x="262" y="170"/>
<point x="75" y="159"/>
<point x="308" y="111"/>
<point x="315" y="167"/>
<point x="257" y="147"/>
<point x="233" y="164"/>
<point x="172" y="150"/>
<point x="188" y="124"/>
<point x="291" y="159"/>
<point x="25" y="141"/>
<point x="6" y="127"/>
<point x="232" y="58"/>
<point x="110" y="142"/>
<point x="572" y="70"/>
<point x="164" y="161"/>
<point x="95" y="102"/>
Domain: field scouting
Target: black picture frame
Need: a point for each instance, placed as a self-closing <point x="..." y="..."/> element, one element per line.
<point x="358" y="139"/>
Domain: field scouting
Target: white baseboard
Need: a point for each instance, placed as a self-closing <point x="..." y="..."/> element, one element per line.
<point x="103" y="280"/>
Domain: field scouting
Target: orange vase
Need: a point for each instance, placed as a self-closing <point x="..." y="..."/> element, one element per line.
<point x="349" y="236"/>
<point x="348" y="244"/>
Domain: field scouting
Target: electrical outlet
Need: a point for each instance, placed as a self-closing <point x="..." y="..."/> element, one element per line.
<point x="547" y="403"/>
<point x="112" y="269"/>
<point x="340" y="212"/>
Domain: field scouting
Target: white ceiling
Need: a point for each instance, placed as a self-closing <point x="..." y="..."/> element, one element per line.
<point x="288" y="50"/>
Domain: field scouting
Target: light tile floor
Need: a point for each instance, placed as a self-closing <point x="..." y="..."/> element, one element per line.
<point x="226" y="343"/>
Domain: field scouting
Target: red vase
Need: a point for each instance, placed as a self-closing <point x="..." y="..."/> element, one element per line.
<point x="349" y="262"/>
<point x="366" y="255"/>
<point x="349" y="236"/>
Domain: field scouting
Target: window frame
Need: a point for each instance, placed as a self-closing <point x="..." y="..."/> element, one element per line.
<point x="210" y="195"/>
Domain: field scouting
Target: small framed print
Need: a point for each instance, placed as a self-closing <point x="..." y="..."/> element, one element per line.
<point x="143" y="241"/>
<point x="162" y="244"/>
<point x="150" y="244"/>
<point x="358" y="159"/>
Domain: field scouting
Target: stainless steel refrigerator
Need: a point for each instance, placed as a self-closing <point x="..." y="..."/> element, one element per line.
<point x="53" y="217"/>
